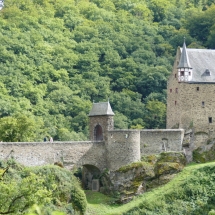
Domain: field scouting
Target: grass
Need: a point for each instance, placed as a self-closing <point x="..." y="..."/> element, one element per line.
<point x="103" y="205"/>
<point x="99" y="203"/>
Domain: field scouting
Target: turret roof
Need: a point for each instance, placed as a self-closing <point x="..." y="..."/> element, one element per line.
<point x="184" y="60"/>
<point x="101" y="109"/>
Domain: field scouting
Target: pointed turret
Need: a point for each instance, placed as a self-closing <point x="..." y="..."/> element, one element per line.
<point x="101" y="109"/>
<point x="184" y="67"/>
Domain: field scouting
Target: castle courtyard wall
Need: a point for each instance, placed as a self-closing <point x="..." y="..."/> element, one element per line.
<point x="69" y="153"/>
<point x="122" y="148"/>
<point x="155" y="141"/>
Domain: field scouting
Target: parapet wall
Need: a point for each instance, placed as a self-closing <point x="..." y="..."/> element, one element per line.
<point x="123" y="147"/>
<point x="69" y="153"/>
<point x="155" y="141"/>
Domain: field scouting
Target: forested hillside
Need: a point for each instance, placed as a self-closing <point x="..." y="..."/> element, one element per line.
<point x="58" y="56"/>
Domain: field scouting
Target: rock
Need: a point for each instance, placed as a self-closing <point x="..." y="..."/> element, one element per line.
<point x="139" y="177"/>
<point x="204" y="153"/>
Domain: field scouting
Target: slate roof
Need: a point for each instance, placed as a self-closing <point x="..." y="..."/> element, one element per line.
<point x="203" y="63"/>
<point x="101" y="109"/>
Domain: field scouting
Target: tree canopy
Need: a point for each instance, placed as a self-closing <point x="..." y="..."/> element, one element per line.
<point x="58" y="56"/>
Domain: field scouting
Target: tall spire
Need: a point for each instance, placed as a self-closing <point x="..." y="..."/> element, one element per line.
<point x="184" y="60"/>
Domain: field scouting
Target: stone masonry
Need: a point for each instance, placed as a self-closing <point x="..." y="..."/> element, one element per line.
<point x="108" y="149"/>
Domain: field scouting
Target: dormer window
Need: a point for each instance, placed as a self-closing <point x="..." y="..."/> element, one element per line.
<point x="207" y="72"/>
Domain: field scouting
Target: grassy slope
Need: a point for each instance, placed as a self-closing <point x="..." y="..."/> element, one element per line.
<point x="100" y="204"/>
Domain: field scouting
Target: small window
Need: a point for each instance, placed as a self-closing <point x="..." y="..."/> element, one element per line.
<point x="207" y="72"/>
<point x="176" y="90"/>
<point x="189" y="73"/>
<point x="170" y="90"/>
<point x="175" y="102"/>
<point x="175" y="76"/>
<point x="203" y="103"/>
<point x="210" y="119"/>
<point x="182" y="73"/>
<point x="197" y="88"/>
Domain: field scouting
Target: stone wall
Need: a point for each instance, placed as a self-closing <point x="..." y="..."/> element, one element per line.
<point x="155" y="141"/>
<point x="123" y="147"/>
<point x="106" y="122"/>
<point x="173" y="105"/>
<point x="69" y="153"/>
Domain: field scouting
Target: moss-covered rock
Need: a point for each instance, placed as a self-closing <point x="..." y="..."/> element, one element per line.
<point x="142" y="176"/>
<point x="204" y="154"/>
<point x="162" y="168"/>
<point x="152" y="159"/>
<point x="174" y="157"/>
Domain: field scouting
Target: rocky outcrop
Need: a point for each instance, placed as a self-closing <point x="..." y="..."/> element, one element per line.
<point x="205" y="153"/>
<point x="139" y="177"/>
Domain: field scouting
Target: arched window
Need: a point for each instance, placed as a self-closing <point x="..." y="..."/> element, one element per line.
<point x="98" y="135"/>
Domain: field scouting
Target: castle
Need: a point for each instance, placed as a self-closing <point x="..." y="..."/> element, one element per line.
<point x="190" y="94"/>
<point x="190" y="122"/>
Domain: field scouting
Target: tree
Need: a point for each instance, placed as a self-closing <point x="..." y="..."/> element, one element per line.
<point x="18" y="195"/>
<point x="155" y="115"/>
<point x="18" y="128"/>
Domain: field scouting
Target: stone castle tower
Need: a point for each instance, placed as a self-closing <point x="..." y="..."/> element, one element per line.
<point x="101" y="121"/>
<point x="191" y="90"/>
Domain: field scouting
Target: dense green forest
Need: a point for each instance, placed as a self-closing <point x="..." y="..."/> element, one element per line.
<point x="58" y="56"/>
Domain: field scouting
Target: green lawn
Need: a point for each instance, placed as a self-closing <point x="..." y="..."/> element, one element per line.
<point x="100" y="204"/>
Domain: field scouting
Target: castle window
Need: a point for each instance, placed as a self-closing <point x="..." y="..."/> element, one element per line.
<point x="176" y="90"/>
<point x="98" y="134"/>
<point x="189" y="73"/>
<point x="175" y="102"/>
<point x="210" y="119"/>
<point x="207" y="72"/>
<point x="170" y="90"/>
<point x="182" y="73"/>
<point x="203" y="104"/>
<point x="197" y="88"/>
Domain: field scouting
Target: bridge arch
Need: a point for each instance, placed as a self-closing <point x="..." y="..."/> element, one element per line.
<point x="98" y="133"/>
<point x="90" y="177"/>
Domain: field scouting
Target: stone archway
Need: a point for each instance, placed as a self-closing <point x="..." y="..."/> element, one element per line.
<point x="90" y="177"/>
<point x="98" y="133"/>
